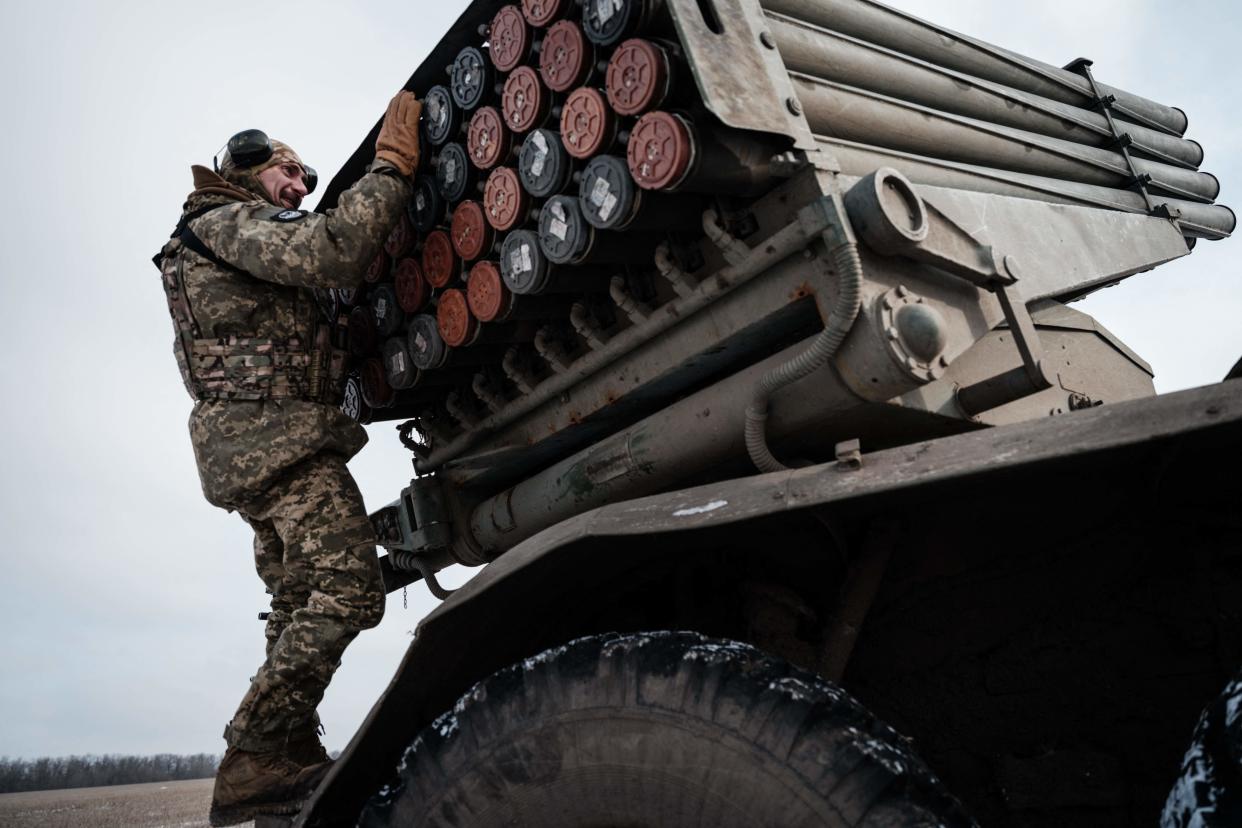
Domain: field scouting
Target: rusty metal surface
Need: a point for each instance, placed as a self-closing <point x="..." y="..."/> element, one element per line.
<point x="1064" y="250"/>
<point x="575" y="440"/>
<point x="742" y="79"/>
<point x="691" y="331"/>
<point x="925" y="464"/>
<point x="449" y="638"/>
<point x="678" y="442"/>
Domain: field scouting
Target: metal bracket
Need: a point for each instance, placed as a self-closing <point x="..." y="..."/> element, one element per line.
<point x="849" y="455"/>
<point x="433" y="529"/>
<point x="894" y="220"/>
<point x="1028" y="378"/>
<point x="1081" y="66"/>
<point x="858" y="593"/>
<point x="737" y="68"/>
<point x="1122" y="141"/>
<point x="827" y="216"/>
<point x="429" y="576"/>
<point x="419" y="448"/>
<point x="418" y="521"/>
<point x="404" y="561"/>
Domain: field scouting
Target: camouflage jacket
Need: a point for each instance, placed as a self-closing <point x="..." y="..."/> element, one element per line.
<point x="248" y="362"/>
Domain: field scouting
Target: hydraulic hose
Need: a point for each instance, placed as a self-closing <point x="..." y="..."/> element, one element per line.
<point x="849" y="299"/>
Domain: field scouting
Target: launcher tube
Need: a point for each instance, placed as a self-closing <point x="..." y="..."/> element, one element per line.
<point x="866" y="117"/>
<point x="828" y="55"/>
<point x="876" y="23"/>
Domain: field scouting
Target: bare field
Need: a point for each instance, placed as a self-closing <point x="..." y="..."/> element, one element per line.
<point x="153" y="805"/>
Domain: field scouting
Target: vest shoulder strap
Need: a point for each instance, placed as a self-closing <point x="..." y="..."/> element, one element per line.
<point x="190" y="239"/>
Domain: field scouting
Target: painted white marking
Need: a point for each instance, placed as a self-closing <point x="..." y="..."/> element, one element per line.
<point x="701" y="510"/>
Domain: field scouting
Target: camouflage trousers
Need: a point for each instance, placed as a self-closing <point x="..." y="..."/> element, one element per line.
<point x="315" y="550"/>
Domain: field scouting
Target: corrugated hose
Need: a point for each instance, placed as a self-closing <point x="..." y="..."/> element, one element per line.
<point x="849" y="300"/>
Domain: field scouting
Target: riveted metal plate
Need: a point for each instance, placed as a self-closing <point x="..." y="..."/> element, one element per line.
<point x="743" y="82"/>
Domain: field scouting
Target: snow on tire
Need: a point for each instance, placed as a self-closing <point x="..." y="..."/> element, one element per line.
<point x="660" y="729"/>
<point x="1208" y="794"/>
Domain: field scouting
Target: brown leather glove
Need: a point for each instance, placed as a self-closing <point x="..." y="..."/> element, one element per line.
<point x="398" y="136"/>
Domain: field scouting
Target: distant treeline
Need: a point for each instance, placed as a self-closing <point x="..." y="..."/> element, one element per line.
<point x="95" y="771"/>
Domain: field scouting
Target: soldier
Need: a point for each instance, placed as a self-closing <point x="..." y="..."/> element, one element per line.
<point x="268" y="436"/>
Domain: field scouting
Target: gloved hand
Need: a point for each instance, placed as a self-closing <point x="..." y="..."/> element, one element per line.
<point x="398" y="136"/>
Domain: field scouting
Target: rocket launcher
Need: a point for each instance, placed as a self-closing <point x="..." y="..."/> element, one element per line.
<point x="661" y="241"/>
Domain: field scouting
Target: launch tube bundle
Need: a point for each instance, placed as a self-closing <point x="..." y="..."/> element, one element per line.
<point x="785" y="212"/>
<point x="756" y="316"/>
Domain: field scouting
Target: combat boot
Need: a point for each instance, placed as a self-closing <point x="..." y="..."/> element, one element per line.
<point x="306" y="749"/>
<point x="251" y="783"/>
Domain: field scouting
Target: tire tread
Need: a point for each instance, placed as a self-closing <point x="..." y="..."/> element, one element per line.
<point x="860" y="771"/>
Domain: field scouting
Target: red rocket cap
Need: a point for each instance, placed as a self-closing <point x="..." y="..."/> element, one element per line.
<point x="472" y="235"/>
<point x="489" y="140"/>
<point x="660" y="151"/>
<point x="543" y="12"/>
<point x="486" y="292"/>
<point x="588" y="126"/>
<point x="525" y="100"/>
<point x="439" y="261"/>
<point x="509" y="38"/>
<point x="411" y="287"/>
<point x="457" y="325"/>
<point x="566" y="57"/>
<point x="637" y="76"/>
<point x="505" y="203"/>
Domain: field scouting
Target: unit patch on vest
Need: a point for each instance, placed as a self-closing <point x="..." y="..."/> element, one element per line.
<point x="289" y="215"/>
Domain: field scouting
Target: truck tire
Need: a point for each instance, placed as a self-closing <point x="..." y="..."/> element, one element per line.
<point x="1208" y="793"/>
<point x="660" y="729"/>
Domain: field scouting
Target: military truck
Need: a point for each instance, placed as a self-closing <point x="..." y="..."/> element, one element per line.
<point x="734" y="340"/>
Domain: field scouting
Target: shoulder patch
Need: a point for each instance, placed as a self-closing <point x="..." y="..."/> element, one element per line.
<point x="289" y="215"/>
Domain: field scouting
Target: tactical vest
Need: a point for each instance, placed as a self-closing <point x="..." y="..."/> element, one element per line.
<point x="237" y="368"/>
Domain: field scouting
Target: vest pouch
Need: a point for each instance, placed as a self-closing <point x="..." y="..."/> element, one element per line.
<point x="235" y="368"/>
<point x="338" y="372"/>
<point x="184" y="325"/>
<point x="329" y="365"/>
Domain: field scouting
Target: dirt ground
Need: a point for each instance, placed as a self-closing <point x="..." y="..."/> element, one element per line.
<point x="154" y="805"/>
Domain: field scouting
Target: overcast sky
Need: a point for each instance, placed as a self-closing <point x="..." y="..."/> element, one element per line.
<point x="128" y="617"/>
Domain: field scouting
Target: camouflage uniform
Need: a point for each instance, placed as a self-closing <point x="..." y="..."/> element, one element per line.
<point x="269" y="441"/>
